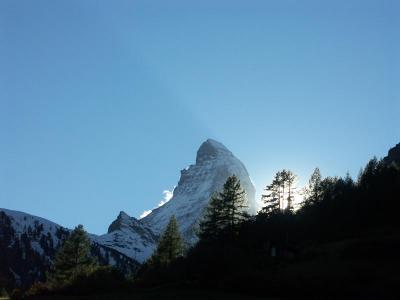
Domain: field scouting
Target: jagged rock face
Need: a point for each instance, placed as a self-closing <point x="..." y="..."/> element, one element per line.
<point x="393" y="155"/>
<point x="129" y="236"/>
<point x="214" y="164"/>
<point x="28" y="245"/>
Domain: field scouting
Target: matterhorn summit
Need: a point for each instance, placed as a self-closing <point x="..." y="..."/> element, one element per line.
<point x="214" y="164"/>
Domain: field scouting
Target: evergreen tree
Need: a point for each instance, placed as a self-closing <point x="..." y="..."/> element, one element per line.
<point x="233" y="204"/>
<point x="210" y="225"/>
<point x="272" y="199"/>
<point x="369" y="172"/>
<point x="280" y="193"/>
<point x="225" y="211"/>
<point x="314" y="190"/>
<point x="72" y="259"/>
<point x="170" y="245"/>
<point x="288" y="180"/>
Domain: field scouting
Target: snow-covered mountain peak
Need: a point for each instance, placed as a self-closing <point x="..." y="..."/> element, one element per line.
<point x="214" y="164"/>
<point x="210" y="150"/>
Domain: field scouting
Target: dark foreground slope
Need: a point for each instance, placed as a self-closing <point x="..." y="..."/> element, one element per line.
<point x="357" y="268"/>
<point x="366" y="267"/>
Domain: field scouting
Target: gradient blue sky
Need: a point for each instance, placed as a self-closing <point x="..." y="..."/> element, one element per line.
<point x="103" y="102"/>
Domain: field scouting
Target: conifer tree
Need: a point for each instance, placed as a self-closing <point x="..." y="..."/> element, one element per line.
<point x="170" y="245"/>
<point x="314" y="189"/>
<point x="233" y="204"/>
<point x="288" y="180"/>
<point x="225" y="210"/>
<point x="272" y="199"/>
<point x="280" y="193"/>
<point x="72" y="259"/>
<point x="210" y="225"/>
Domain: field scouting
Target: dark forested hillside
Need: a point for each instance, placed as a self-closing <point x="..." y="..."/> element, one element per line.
<point x="342" y="242"/>
<point x="28" y="245"/>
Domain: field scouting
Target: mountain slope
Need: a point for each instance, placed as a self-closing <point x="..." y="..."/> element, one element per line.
<point x="28" y="245"/>
<point x="214" y="164"/>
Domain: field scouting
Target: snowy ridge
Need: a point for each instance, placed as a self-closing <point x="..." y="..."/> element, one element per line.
<point x="21" y="222"/>
<point x="37" y="227"/>
<point x="29" y="244"/>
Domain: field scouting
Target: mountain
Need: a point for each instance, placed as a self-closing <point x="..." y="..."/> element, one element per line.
<point x="28" y="245"/>
<point x="214" y="164"/>
<point x="137" y="239"/>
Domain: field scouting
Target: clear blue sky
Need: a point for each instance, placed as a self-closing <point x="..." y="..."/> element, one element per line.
<point x="103" y="102"/>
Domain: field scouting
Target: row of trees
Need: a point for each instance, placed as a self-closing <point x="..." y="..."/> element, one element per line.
<point x="332" y="208"/>
<point x="280" y="193"/>
<point x="224" y="215"/>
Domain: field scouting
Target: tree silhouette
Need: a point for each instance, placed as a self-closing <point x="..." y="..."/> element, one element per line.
<point x="72" y="259"/>
<point x="170" y="245"/>
<point x="313" y="191"/>
<point x="288" y="180"/>
<point x="211" y="224"/>
<point x="233" y="204"/>
<point x="280" y="193"/>
<point x="225" y="211"/>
